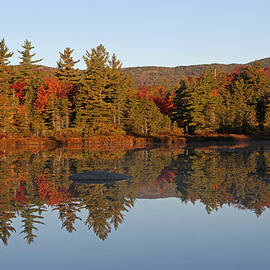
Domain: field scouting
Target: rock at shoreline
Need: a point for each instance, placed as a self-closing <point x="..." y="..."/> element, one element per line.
<point x="100" y="177"/>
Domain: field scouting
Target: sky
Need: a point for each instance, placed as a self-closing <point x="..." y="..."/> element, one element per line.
<point x="141" y="33"/>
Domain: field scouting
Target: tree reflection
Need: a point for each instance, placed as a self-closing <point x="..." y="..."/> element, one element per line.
<point x="106" y="205"/>
<point x="32" y="216"/>
<point x="5" y="226"/>
<point x="68" y="215"/>
<point x="239" y="178"/>
<point x="33" y="183"/>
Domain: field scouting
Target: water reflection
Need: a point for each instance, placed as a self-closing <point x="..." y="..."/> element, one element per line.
<point x="240" y="178"/>
<point x="33" y="183"/>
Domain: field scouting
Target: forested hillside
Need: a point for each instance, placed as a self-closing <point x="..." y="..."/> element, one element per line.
<point x="171" y="76"/>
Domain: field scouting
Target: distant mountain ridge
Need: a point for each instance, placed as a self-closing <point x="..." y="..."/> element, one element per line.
<point x="171" y="75"/>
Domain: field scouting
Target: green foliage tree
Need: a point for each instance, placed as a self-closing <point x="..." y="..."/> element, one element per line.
<point x="29" y="73"/>
<point x="65" y="67"/>
<point x="69" y="75"/>
<point x="8" y="103"/>
<point x="5" y="54"/>
<point x="119" y="83"/>
<point x="26" y="57"/>
<point x="182" y="112"/>
<point x="144" y="118"/>
<point x="99" y="98"/>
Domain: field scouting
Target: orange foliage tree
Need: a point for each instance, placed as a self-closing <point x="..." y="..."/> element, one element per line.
<point x="53" y="103"/>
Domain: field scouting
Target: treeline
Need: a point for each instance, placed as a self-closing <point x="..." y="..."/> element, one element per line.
<point x="66" y="101"/>
<point x="102" y="99"/>
<point x="235" y="102"/>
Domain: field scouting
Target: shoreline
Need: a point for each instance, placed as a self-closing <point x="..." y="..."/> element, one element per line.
<point x="125" y="141"/>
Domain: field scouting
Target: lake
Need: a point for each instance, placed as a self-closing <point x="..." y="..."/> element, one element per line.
<point x="196" y="207"/>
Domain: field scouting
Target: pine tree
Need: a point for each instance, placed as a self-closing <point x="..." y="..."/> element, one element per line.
<point x="119" y="83"/>
<point x="5" y="73"/>
<point x="26" y="57"/>
<point x="65" y="67"/>
<point x="182" y="112"/>
<point x="8" y="101"/>
<point x="258" y="91"/>
<point x="4" y="55"/>
<point x="144" y="117"/>
<point x="93" y="102"/>
<point x="248" y="97"/>
<point x="29" y="74"/>
<point x="69" y="75"/>
<point x="243" y="113"/>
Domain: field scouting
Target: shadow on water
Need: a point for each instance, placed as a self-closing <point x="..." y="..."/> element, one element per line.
<point x="33" y="183"/>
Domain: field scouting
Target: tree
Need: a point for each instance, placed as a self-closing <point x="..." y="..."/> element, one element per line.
<point x="93" y="101"/>
<point x="247" y="97"/>
<point x="65" y="67"/>
<point x="145" y="118"/>
<point x="182" y="111"/>
<point x="29" y="73"/>
<point x="8" y="102"/>
<point x="53" y="104"/>
<point x="26" y="57"/>
<point x="69" y="75"/>
<point x="5" y="75"/>
<point x="119" y="83"/>
<point x="4" y="55"/>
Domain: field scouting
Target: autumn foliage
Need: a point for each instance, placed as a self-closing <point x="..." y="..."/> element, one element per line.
<point x="51" y="89"/>
<point x="19" y="89"/>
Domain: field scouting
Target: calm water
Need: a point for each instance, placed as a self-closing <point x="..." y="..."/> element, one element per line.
<point x="191" y="208"/>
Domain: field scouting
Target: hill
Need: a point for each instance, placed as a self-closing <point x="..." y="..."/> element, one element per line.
<point x="172" y="75"/>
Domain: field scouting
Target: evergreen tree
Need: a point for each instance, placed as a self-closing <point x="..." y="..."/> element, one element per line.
<point x="4" y="55"/>
<point x="5" y="72"/>
<point x="119" y="83"/>
<point x="182" y="112"/>
<point x="69" y="75"/>
<point x="258" y="91"/>
<point x="201" y="101"/>
<point x="26" y="57"/>
<point x="29" y="74"/>
<point x="65" y="67"/>
<point x="145" y="118"/>
<point x="8" y="102"/>
<point x="243" y="113"/>
<point x="93" y="102"/>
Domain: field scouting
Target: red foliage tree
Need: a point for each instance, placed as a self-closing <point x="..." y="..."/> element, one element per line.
<point x="19" y="89"/>
<point x="51" y="89"/>
<point x="159" y="95"/>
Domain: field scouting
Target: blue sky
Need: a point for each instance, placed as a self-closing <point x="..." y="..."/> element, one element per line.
<point x="141" y="33"/>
